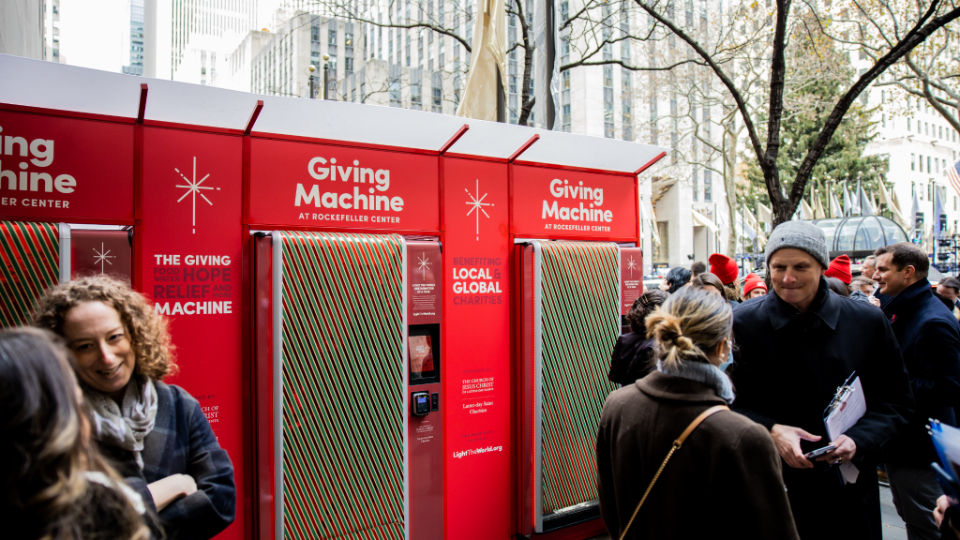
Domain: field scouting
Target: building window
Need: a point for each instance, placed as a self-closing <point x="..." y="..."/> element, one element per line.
<point x="707" y="185"/>
<point x="416" y="89"/>
<point x="921" y="163"/>
<point x="348" y="65"/>
<point x="436" y="86"/>
<point x="626" y="105"/>
<point x="696" y="186"/>
<point x="314" y="34"/>
<point x="913" y="164"/>
<point x="394" y="85"/>
<point x="332" y="37"/>
<point x="608" y="102"/>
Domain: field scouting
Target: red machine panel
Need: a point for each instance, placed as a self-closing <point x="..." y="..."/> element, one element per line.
<point x="631" y="277"/>
<point x="477" y="379"/>
<point x="299" y="184"/>
<point x="557" y="203"/>
<point x="190" y="267"/>
<point x="425" y="433"/>
<point x="65" y="169"/>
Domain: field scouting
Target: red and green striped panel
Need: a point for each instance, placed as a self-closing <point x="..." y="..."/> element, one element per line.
<point x="580" y="326"/>
<point x="343" y="415"/>
<point x="30" y="265"/>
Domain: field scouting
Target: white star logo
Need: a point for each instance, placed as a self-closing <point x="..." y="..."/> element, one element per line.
<point x="631" y="264"/>
<point x="476" y="203"/>
<point x="102" y="256"/>
<point x="193" y="187"/>
<point x="424" y="265"/>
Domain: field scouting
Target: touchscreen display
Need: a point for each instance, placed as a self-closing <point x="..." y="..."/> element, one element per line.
<point x="421" y="357"/>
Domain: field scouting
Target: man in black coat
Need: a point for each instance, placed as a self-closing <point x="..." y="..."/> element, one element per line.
<point x="795" y="347"/>
<point x="929" y="339"/>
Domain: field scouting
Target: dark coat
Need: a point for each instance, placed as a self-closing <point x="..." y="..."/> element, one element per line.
<point x="182" y="443"/>
<point x="929" y="339"/>
<point x="787" y="367"/>
<point x="631" y="359"/>
<point x="723" y="483"/>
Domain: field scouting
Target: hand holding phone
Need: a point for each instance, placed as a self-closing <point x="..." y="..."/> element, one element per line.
<point x="820" y="451"/>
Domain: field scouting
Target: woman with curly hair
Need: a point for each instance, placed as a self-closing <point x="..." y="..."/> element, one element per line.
<point x="157" y="433"/>
<point x="56" y="484"/>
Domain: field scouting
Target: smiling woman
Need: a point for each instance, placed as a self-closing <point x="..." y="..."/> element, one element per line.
<point x="156" y="433"/>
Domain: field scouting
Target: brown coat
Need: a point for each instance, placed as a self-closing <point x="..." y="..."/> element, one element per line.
<point x="724" y="482"/>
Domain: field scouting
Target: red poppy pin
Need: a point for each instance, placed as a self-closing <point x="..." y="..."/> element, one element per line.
<point x="893" y="319"/>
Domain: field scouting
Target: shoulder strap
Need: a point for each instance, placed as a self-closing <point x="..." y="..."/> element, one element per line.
<point x="676" y="446"/>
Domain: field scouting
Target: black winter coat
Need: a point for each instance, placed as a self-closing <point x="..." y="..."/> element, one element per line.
<point x="632" y="358"/>
<point x="929" y="339"/>
<point x="787" y="367"/>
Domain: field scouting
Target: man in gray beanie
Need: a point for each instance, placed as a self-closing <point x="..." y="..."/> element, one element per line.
<point x="795" y="347"/>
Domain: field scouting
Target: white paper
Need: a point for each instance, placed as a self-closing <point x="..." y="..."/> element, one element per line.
<point x="844" y="417"/>
<point x="850" y="411"/>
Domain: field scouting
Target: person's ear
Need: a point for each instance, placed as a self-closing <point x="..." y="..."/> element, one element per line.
<point x="909" y="271"/>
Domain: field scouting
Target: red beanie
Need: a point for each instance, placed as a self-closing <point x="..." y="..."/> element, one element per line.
<point x="840" y="269"/>
<point x="752" y="282"/>
<point x="724" y="268"/>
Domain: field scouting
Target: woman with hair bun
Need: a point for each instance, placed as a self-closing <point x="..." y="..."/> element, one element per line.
<point x="719" y="479"/>
<point x="55" y="483"/>
<point x="156" y="433"/>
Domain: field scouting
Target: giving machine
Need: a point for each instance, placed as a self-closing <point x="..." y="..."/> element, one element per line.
<point x="347" y="303"/>
<point x="572" y="287"/>
<point x="349" y="370"/>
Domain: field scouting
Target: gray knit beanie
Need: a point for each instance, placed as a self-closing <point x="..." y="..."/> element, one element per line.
<point x="801" y="235"/>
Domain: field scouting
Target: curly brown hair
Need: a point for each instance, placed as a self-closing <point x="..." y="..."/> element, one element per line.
<point x="147" y="330"/>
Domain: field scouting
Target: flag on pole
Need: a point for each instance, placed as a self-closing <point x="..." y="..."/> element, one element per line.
<point x="953" y="174"/>
<point x="897" y="212"/>
<point x="916" y="218"/>
<point x="818" y="211"/>
<point x="866" y="207"/>
<point x="847" y="202"/>
<point x="765" y="214"/>
<point x="805" y="211"/>
<point x="487" y="62"/>
<point x="835" y="210"/>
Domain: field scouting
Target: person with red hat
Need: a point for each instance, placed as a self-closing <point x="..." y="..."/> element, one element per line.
<point x="753" y="287"/>
<point x="724" y="268"/>
<point x="840" y="269"/>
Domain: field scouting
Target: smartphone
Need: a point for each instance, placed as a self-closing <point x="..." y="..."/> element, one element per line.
<point x="820" y="451"/>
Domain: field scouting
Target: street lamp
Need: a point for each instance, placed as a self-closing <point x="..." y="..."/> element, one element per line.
<point x="313" y="94"/>
<point x="325" y="75"/>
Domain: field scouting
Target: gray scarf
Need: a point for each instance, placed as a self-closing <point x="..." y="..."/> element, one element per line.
<point x="128" y="425"/>
<point x="705" y="373"/>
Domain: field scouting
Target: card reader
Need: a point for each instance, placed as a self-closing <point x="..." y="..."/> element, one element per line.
<point x="420" y="403"/>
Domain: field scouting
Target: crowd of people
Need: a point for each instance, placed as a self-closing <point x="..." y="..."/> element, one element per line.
<point x="96" y="445"/>
<point x="752" y="378"/>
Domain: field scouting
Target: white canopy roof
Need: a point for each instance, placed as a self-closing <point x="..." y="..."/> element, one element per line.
<point x="50" y="85"/>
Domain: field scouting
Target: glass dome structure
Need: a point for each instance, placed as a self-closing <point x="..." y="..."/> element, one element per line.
<point x="859" y="236"/>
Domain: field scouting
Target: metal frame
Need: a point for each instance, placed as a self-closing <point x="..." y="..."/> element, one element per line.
<point x="406" y="390"/>
<point x="538" y="387"/>
<point x="277" y="238"/>
<point x="64" y="232"/>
